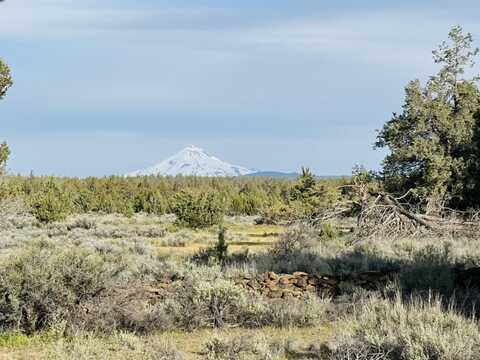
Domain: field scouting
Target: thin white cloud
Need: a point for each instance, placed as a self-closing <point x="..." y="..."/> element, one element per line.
<point x="395" y="38"/>
<point x="379" y="38"/>
<point x="60" y="19"/>
<point x="257" y="66"/>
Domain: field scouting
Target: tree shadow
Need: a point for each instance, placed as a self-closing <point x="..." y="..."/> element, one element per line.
<point x="427" y="275"/>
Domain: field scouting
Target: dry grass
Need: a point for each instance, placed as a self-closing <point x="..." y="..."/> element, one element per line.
<point x="414" y="329"/>
<point x="190" y="344"/>
<point x="156" y="234"/>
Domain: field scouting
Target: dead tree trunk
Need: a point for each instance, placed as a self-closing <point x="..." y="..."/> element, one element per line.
<point x="398" y="207"/>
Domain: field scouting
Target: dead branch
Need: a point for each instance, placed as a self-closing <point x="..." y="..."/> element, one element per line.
<point x="389" y="200"/>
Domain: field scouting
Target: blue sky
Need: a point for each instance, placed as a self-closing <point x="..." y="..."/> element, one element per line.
<point x="107" y="87"/>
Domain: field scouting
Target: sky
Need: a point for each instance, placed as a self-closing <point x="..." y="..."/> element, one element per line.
<point x="108" y="87"/>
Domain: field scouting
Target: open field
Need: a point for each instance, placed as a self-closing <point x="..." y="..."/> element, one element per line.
<point x="113" y="287"/>
<point x="161" y="238"/>
<point x="158" y="232"/>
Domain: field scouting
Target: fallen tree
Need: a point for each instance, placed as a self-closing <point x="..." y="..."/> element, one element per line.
<point x="385" y="215"/>
<point x="379" y="214"/>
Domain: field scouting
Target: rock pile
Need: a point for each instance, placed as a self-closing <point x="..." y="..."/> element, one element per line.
<point x="298" y="284"/>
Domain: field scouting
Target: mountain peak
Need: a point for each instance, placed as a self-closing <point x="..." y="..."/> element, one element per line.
<point x="193" y="148"/>
<point x="193" y="161"/>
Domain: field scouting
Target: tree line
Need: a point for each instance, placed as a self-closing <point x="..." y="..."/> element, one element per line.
<point x="52" y="199"/>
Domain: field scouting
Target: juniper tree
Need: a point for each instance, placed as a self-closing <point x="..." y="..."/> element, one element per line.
<point x="431" y="142"/>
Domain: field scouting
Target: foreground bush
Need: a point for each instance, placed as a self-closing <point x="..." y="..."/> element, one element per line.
<point x="218" y="303"/>
<point x="417" y="330"/>
<point x="205" y="299"/>
<point x="45" y="284"/>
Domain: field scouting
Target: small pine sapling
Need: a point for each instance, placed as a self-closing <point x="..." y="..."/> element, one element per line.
<point x="221" y="248"/>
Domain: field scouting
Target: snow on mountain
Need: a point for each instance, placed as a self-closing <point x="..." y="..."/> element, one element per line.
<point x="193" y="161"/>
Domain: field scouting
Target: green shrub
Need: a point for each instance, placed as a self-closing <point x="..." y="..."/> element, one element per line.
<point x="278" y="214"/>
<point x="247" y="203"/>
<point x="198" y="209"/>
<point x="150" y="202"/>
<point x="51" y="204"/>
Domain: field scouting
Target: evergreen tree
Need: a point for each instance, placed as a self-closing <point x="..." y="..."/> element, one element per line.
<point x="305" y="186"/>
<point x="432" y="141"/>
<point x="221" y="247"/>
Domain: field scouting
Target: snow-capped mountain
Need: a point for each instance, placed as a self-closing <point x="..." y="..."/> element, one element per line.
<point x="193" y="161"/>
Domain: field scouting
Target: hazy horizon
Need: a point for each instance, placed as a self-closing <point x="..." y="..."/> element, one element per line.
<point x="109" y="88"/>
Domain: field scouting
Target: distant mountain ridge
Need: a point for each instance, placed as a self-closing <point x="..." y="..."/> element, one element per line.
<point x="194" y="161"/>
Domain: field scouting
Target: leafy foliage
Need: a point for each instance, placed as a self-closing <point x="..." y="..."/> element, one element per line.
<point x="307" y="198"/>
